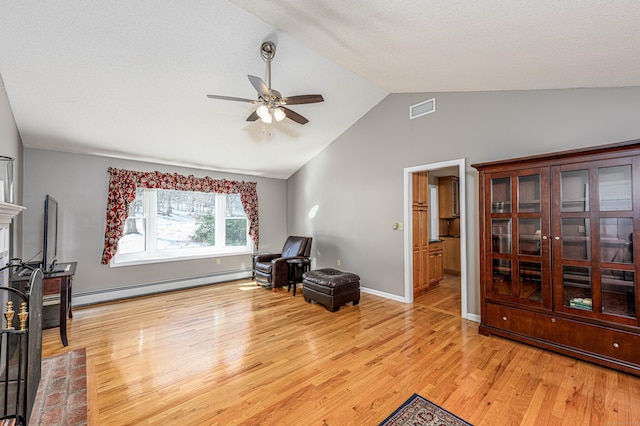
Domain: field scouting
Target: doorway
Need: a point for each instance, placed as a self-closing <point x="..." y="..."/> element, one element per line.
<point x="435" y="168"/>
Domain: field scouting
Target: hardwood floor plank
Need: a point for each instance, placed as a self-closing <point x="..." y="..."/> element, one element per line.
<point x="236" y="354"/>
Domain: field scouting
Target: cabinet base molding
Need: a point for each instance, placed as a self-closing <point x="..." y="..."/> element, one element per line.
<point x="564" y="350"/>
<point x="609" y="347"/>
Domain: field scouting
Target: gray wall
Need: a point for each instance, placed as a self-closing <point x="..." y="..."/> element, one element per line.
<point x="80" y="184"/>
<point x="11" y="146"/>
<point x="358" y="180"/>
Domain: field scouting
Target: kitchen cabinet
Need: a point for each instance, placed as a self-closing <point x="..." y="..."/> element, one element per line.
<point x="436" y="265"/>
<point x="448" y="197"/>
<point x="451" y="255"/>
<point x="420" y="249"/>
<point x="420" y="189"/>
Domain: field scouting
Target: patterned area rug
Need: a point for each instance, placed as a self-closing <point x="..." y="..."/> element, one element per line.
<point x="419" y="411"/>
<point x="62" y="395"/>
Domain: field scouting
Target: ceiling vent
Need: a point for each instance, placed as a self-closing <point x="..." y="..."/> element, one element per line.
<point x="423" y="108"/>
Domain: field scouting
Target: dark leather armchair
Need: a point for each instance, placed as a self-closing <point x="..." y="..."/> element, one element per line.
<point x="271" y="269"/>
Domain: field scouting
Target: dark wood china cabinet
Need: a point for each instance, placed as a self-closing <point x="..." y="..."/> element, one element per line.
<point x="557" y="264"/>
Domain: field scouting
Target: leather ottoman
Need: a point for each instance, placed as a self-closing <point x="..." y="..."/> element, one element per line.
<point x="331" y="288"/>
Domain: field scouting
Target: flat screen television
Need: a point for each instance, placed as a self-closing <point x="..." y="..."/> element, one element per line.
<point x="50" y="241"/>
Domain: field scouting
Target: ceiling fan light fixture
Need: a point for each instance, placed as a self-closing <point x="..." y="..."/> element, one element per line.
<point x="263" y="111"/>
<point x="278" y="114"/>
<point x="267" y="118"/>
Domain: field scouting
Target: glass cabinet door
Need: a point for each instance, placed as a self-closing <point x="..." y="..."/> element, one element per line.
<point x="518" y="239"/>
<point x="593" y="240"/>
<point x="616" y="225"/>
<point x="501" y="238"/>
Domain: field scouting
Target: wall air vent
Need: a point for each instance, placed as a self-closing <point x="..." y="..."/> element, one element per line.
<point x="423" y="108"/>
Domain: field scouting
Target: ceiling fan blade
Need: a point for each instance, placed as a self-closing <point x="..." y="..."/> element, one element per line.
<point x="231" y="98"/>
<point x="294" y="116"/>
<point x="260" y="86"/>
<point x="253" y="117"/>
<point x="302" y="99"/>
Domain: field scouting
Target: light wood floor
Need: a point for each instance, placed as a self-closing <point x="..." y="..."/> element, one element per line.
<point x="236" y="353"/>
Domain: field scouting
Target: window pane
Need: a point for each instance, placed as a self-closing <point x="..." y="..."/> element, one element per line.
<point x="186" y="219"/>
<point x="133" y="239"/>
<point x="205" y="230"/>
<point x="135" y="227"/>
<point x="235" y="232"/>
<point x="615" y="188"/>
<point x="235" y="221"/>
<point x="234" y="206"/>
<point x="136" y="208"/>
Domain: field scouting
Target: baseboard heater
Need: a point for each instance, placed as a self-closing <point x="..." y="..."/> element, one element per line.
<point x="111" y="294"/>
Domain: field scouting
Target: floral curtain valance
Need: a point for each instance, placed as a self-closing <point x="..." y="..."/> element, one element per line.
<point x="122" y="192"/>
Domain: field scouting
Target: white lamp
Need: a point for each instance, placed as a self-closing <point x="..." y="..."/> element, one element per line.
<point x="263" y="111"/>
<point x="278" y="114"/>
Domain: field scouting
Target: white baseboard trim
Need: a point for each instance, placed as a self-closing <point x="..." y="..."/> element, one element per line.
<point x="473" y="317"/>
<point x="383" y="294"/>
<point x="111" y="294"/>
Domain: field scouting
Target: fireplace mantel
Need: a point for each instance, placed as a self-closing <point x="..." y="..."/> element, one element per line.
<point x="7" y="212"/>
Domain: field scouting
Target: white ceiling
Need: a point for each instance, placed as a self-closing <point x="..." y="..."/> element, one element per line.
<point x="437" y="46"/>
<point x="129" y="78"/>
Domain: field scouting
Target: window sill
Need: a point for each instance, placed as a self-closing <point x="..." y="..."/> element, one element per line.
<point x="132" y="260"/>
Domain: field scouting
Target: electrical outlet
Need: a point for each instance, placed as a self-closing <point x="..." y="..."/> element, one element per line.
<point x="339" y="262"/>
<point x="217" y="261"/>
<point x="581" y="229"/>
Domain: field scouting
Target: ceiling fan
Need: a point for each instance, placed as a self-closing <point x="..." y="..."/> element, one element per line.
<point x="272" y="104"/>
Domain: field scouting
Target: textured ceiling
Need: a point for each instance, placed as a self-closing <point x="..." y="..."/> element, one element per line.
<point x="129" y="78"/>
<point x="429" y="46"/>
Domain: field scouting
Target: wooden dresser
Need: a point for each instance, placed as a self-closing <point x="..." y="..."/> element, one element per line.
<point x="557" y="264"/>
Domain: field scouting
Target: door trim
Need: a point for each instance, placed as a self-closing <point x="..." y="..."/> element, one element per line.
<point x="408" y="231"/>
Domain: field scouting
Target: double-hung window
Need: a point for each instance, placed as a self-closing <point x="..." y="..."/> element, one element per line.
<point x="172" y="225"/>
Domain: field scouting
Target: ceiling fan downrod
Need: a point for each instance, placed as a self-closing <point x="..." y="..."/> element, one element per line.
<point x="270" y="109"/>
<point x="268" y="51"/>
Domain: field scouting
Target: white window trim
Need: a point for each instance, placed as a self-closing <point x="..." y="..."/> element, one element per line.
<point x="152" y="255"/>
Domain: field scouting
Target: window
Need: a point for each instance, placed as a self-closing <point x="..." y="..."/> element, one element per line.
<point x="167" y="224"/>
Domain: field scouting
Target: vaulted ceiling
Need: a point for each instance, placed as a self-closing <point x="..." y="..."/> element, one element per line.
<point x="129" y="78"/>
